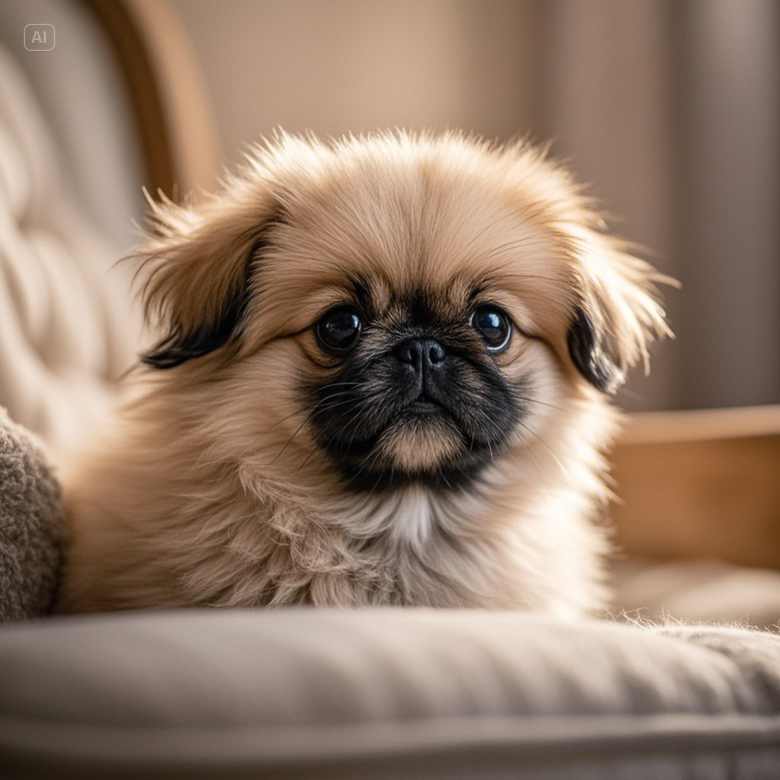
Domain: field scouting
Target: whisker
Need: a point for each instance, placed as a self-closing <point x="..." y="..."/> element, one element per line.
<point x="545" y="444"/>
<point x="541" y="403"/>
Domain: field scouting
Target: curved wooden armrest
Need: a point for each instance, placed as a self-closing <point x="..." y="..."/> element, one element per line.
<point x="701" y="484"/>
<point x="167" y="92"/>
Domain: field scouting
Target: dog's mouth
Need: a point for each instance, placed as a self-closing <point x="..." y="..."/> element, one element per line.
<point x="426" y="405"/>
<point x="423" y="442"/>
<point x="424" y="413"/>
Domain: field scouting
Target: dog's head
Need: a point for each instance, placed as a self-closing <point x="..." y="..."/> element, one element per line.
<point x="396" y="309"/>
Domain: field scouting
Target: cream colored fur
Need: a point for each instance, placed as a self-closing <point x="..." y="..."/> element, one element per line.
<point x="210" y="489"/>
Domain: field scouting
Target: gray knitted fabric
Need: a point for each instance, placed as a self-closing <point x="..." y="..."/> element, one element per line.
<point x="31" y="526"/>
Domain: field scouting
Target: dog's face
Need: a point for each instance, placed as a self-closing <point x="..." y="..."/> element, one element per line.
<point x="424" y="389"/>
<point x="421" y="394"/>
<point x="395" y="310"/>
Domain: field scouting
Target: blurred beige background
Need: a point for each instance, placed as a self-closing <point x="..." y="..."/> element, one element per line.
<point x="670" y="109"/>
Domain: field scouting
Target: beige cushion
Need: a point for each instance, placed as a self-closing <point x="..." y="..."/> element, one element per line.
<point x="378" y="693"/>
<point x="697" y="591"/>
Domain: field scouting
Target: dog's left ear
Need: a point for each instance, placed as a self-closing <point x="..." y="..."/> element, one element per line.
<point x="196" y="265"/>
<point x="617" y="315"/>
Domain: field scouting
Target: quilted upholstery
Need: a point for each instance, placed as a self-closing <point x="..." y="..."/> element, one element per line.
<point x="66" y="319"/>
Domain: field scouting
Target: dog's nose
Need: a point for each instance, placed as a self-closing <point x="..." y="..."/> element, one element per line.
<point x="421" y="353"/>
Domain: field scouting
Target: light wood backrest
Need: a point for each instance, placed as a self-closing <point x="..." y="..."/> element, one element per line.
<point x="701" y="484"/>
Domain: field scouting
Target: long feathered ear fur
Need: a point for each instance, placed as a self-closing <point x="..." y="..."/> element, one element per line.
<point x="196" y="266"/>
<point x="619" y="314"/>
<point x="614" y="311"/>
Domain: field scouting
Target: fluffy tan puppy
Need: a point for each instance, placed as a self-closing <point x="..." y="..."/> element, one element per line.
<point x="383" y="379"/>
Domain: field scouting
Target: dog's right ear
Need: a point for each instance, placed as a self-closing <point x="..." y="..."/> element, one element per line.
<point x="589" y="355"/>
<point x="618" y="314"/>
<point x="196" y="265"/>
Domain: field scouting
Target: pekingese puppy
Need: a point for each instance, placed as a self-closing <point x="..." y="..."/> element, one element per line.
<point x="383" y="378"/>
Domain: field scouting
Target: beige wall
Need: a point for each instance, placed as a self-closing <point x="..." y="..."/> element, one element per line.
<point x="337" y="66"/>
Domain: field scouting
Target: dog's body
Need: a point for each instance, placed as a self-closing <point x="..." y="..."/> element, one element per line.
<point x="383" y="383"/>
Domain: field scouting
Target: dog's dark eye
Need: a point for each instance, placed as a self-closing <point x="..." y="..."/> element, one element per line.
<point x="338" y="329"/>
<point x="494" y="327"/>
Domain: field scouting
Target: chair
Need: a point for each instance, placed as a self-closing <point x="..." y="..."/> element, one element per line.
<point x="313" y="694"/>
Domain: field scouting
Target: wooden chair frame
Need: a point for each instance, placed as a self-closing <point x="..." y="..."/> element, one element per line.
<point x="167" y="92"/>
<point x="701" y="484"/>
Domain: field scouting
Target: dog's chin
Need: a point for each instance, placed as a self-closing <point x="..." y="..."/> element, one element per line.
<point x="423" y="440"/>
<point x="424" y="445"/>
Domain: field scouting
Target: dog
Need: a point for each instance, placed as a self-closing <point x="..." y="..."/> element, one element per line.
<point x="383" y="378"/>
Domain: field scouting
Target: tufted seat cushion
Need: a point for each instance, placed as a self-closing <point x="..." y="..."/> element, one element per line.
<point x="385" y="693"/>
<point x="66" y="322"/>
